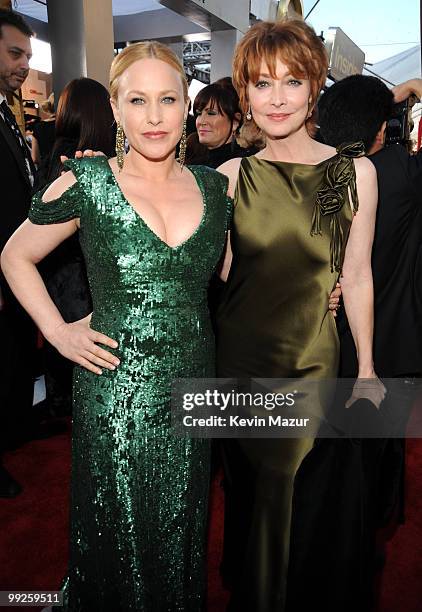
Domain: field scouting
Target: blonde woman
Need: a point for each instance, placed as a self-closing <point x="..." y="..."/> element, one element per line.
<point x="152" y="232"/>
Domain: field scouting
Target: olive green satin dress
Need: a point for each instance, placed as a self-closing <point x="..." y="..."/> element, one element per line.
<point x="139" y="494"/>
<point x="289" y="232"/>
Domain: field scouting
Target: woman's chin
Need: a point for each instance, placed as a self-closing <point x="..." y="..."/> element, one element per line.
<point x="155" y="154"/>
<point x="204" y="143"/>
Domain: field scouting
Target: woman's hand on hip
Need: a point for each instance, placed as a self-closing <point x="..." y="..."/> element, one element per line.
<point x="79" y="343"/>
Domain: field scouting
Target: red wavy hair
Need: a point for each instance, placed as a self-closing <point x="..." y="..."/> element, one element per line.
<point x="293" y="42"/>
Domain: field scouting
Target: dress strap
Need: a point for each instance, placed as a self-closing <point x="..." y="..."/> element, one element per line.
<point x="229" y="212"/>
<point x="86" y="168"/>
<point x="60" y="210"/>
<point x="339" y="180"/>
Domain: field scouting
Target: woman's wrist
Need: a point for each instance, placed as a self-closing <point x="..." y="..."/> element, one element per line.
<point x="50" y="334"/>
<point x="366" y="371"/>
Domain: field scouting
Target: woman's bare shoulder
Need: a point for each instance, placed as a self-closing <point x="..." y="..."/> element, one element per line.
<point x="367" y="184"/>
<point x="59" y="186"/>
<point x="364" y="167"/>
<point x="230" y="169"/>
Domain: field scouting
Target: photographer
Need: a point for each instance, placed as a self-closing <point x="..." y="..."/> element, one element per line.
<point x="358" y="108"/>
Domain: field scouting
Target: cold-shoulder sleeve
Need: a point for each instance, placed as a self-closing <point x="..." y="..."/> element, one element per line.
<point x="62" y="209"/>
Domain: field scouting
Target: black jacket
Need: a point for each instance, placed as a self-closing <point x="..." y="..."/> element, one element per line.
<point x="16" y="188"/>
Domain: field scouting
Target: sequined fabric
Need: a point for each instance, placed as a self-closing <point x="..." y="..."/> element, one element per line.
<point x="139" y="495"/>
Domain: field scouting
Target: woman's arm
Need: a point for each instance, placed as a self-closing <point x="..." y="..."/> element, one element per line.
<point x="29" y="245"/>
<point x="404" y="90"/>
<point x="356" y="279"/>
<point x="357" y="286"/>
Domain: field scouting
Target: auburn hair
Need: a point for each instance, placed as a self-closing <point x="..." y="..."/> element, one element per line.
<point x="144" y="50"/>
<point x="293" y="42"/>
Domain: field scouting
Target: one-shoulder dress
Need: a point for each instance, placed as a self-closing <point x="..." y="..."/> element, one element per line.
<point x="138" y="494"/>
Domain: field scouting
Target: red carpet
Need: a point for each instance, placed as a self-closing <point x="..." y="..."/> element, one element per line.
<point x="401" y="581"/>
<point x="34" y="527"/>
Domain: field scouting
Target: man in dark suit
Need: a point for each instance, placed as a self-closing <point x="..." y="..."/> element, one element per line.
<point x="357" y="109"/>
<point x="17" y="332"/>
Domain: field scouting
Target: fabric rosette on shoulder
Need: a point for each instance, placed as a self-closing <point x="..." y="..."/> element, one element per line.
<point x="340" y="177"/>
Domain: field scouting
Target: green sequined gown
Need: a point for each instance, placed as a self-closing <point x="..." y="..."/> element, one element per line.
<point x="139" y="495"/>
<point x="290" y="227"/>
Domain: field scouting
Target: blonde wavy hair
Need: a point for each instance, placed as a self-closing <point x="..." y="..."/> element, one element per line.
<point x="144" y="50"/>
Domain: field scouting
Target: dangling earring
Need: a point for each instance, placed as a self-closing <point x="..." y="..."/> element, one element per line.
<point x="249" y="114"/>
<point x="182" y="147"/>
<point x="120" y="146"/>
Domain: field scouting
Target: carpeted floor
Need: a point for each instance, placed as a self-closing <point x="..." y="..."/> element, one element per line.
<point x="34" y="527"/>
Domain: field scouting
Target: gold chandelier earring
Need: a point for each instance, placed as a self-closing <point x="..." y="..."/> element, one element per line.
<point x="182" y="147"/>
<point x="120" y="146"/>
<point x="248" y="115"/>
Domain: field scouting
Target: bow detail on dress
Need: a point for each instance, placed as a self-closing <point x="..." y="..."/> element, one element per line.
<point x="340" y="176"/>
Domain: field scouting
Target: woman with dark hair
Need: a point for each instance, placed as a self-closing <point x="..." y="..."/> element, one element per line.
<point x="218" y="122"/>
<point x="84" y="121"/>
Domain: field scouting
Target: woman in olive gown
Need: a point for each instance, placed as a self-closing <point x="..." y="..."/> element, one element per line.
<point x="295" y="204"/>
<point x="152" y="232"/>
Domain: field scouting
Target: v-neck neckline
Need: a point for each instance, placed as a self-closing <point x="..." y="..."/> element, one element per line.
<point x="142" y="221"/>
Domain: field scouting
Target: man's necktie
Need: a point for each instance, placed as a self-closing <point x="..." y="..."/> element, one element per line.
<point x="11" y="122"/>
